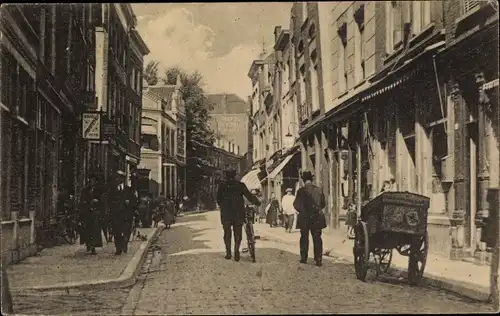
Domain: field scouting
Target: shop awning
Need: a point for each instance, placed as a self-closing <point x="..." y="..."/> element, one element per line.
<point x="490" y="85"/>
<point x="251" y="179"/>
<point x="280" y="167"/>
<point x="148" y="130"/>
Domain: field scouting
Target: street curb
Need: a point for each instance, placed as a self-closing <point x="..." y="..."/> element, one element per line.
<point x="475" y="292"/>
<point x="127" y="278"/>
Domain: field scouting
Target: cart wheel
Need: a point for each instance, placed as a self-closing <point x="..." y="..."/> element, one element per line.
<point x="361" y="250"/>
<point x="383" y="259"/>
<point x="417" y="259"/>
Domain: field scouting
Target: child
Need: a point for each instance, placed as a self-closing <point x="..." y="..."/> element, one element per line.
<point x="351" y="219"/>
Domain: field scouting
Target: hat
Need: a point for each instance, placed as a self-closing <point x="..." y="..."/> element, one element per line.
<point x="289" y="190"/>
<point x="307" y="175"/>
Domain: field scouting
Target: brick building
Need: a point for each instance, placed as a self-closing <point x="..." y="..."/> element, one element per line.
<point x="118" y="78"/>
<point x="369" y="121"/>
<point x="47" y="65"/>
<point x="230" y="118"/>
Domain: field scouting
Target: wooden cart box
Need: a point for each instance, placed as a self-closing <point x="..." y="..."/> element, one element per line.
<point x="398" y="212"/>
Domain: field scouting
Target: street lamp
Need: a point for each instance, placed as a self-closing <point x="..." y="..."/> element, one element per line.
<point x="288" y="128"/>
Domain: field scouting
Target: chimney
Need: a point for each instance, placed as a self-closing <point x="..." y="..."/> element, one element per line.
<point x="277" y="32"/>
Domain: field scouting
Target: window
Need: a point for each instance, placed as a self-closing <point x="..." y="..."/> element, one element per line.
<point x="314" y="82"/>
<point x="469" y="5"/>
<point x="302" y="84"/>
<point x="359" y="40"/>
<point x="421" y="16"/>
<point x="393" y="29"/>
<point x="342" y="69"/>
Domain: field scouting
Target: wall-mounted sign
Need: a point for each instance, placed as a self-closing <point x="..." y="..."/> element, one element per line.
<point x="91" y="125"/>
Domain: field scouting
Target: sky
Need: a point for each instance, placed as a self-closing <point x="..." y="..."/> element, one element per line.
<point x="220" y="40"/>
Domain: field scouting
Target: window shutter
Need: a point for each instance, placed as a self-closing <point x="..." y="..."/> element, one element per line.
<point x="470" y="4"/>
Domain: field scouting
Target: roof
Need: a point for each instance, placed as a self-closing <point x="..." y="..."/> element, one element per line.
<point x="228" y="104"/>
<point x="164" y="91"/>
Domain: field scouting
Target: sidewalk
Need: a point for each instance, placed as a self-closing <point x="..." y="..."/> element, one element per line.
<point x="70" y="266"/>
<point x="464" y="278"/>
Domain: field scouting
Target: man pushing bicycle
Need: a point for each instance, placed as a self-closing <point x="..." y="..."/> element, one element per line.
<point x="232" y="210"/>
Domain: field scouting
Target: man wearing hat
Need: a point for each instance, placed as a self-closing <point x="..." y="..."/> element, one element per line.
<point x="123" y="208"/>
<point x="288" y="209"/>
<point x="309" y="203"/>
<point x="91" y="210"/>
<point x="232" y="210"/>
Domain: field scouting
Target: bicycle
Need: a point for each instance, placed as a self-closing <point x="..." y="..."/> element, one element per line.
<point x="249" y="220"/>
<point x="67" y="228"/>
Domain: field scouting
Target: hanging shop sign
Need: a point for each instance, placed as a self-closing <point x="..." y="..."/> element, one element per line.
<point x="91" y="125"/>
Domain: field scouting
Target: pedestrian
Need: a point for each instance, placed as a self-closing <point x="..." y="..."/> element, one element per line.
<point x="123" y="211"/>
<point x="288" y="209"/>
<point x="91" y="213"/>
<point x="272" y="212"/>
<point x="309" y="203"/>
<point x="169" y="213"/>
<point x="232" y="210"/>
<point x="262" y="208"/>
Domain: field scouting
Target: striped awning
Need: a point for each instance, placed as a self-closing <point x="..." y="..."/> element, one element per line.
<point x="251" y="179"/>
<point x="490" y="85"/>
<point x="280" y="167"/>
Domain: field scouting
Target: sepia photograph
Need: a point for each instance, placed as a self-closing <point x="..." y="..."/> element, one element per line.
<point x="250" y="158"/>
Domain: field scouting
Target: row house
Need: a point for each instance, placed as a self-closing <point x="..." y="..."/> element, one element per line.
<point x="261" y="76"/>
<point x="164" y="139"/>
<point x="47" y="61"/>
<point x="120" y="53"/>
<point x="372" y="122"/>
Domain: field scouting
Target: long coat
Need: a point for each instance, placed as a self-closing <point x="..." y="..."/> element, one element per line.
<point x="90" y="216"/>
<point x="232" y="205"/>
<point x="272" y="213"/>
<point x="122" y="212"/>
<point x="309" y="203"/>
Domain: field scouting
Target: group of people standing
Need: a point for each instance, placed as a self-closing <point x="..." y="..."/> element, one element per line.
<point x="114" y="210"/>
<point x="123" y="201"/>
<point x="308" y="204"/>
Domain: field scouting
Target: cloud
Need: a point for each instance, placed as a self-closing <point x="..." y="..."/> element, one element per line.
<point x="176" y="39"/>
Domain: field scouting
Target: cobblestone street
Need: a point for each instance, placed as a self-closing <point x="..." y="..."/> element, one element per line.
<point x="192" y="277"/>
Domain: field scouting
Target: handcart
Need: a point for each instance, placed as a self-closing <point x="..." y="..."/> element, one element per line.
<point x="392" y="220"/>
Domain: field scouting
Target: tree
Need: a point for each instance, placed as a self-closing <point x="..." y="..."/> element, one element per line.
<point x="151" y="72"/>
<point x="198" y="131"/>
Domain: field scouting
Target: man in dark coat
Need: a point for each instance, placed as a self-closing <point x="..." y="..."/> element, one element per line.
<point x="124" y="205"/>
<point x="91" y="210"/>
<point x="232" y="210"/>
<point x="309" y="203"/>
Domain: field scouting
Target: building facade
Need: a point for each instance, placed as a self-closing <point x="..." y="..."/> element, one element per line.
<point x="46" y="85"/>
<point x="230" y="119"/>
<point x="118" y="77"/>
<point x="164" y="139"/>
<point x="369" y="122"/>
<point x="220" y="157"/>
<point x="159" y="148"/>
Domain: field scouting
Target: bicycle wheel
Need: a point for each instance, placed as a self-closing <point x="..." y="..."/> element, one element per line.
<point x="67" y="232"/>
<point x="251" y="241"/>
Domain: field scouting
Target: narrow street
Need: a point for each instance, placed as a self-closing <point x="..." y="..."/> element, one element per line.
<point x="192" y="277"/>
